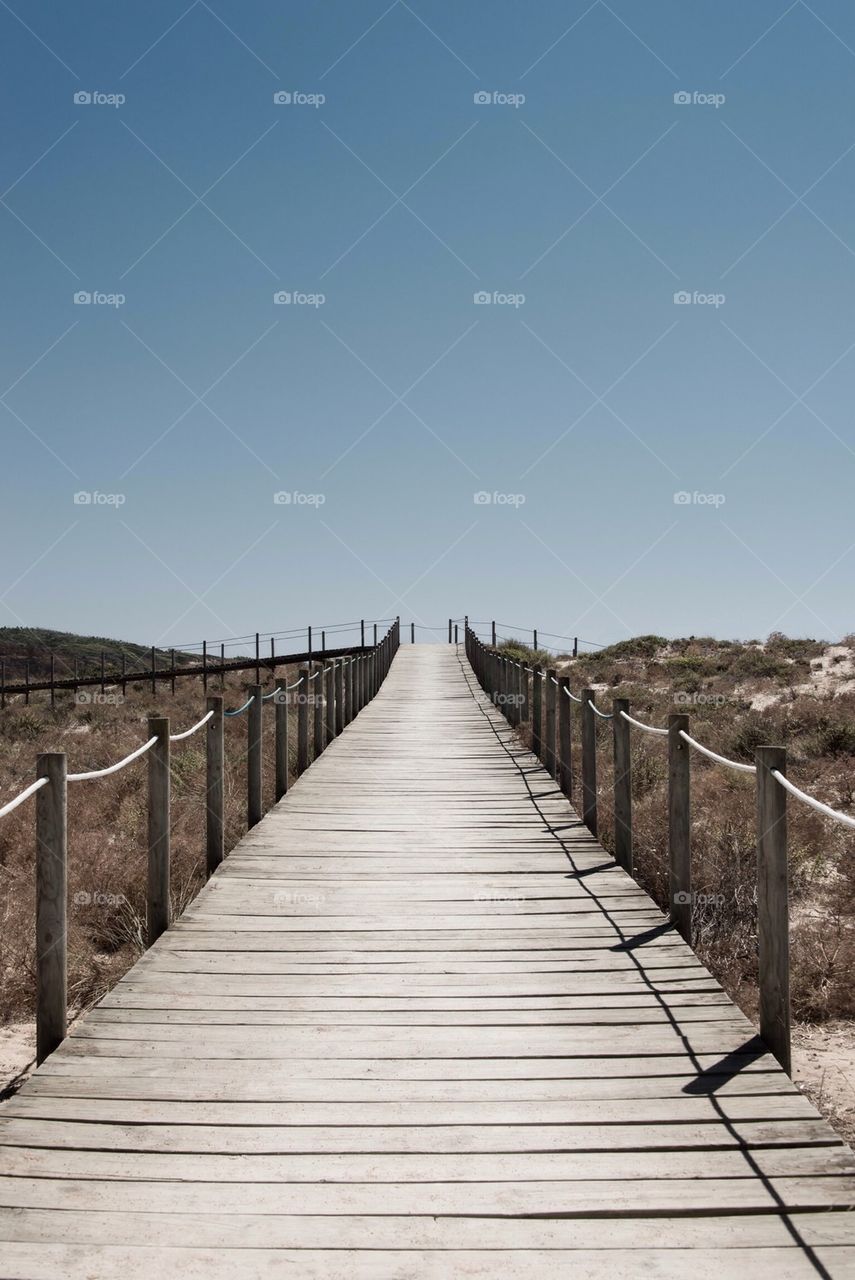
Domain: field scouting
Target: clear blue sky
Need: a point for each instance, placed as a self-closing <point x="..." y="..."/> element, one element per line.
<point x="595" y="400"/>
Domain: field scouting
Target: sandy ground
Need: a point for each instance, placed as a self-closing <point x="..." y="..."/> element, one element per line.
<point x="823" y="1067"/>
<point x="824" y="1070"/>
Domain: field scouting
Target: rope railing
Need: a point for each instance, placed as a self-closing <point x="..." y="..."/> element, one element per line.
<point x="188" y="733"/>
<point x="112" y="768"/>
<point x="31" y="790"/>
<point x="353" y="680"/>
<point x="526" y="695"/>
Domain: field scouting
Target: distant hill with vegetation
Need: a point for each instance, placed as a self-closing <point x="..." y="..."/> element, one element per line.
<point x="34" y="645"/>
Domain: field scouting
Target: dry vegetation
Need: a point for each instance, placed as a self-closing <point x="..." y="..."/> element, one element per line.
<point x="796" y="693"/>
<point x="107" y="825"/>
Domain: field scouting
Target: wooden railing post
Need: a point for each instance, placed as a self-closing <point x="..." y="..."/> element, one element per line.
<point x="280" y="715"/>
<point x="536" y="718"/>
<point x="159" y="909"/>
<point x="493" y="633"/>
<point x="622" y="785"/>
<point x="51" y="904"/>
<point x="339" y="697"/>
<point x="679" y="839"/>
<point x="215" y="785"/>
<point x="349" y="691"/>
<point x="318" y="691"/>
<point x="303" y="692"/>
<point x="564" y="775"/>
<point x="254" y="713"/>
<point x="449" y="630"/>
<point x="329" y="696"/>
<point x="524" y="695"/>
<point x="773" y="917"/>
<point x="549" y="745"/>
<point x="589" y="762"/>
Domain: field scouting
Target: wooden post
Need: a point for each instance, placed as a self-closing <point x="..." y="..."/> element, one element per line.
<point x="536" y="743"/>
<point x="52" y="682"/>
<point x="173" y="672"/>
<point x="622" y="785"/>
<point x="303" y="691"/>
<point x="153" y="669"/>
<point x="215" y="788"/>
<point x="493" y="633"/>
<point x="412" y="633"/>
<point x="222" y="667"/>
<point x="280" y="711"/>
<point x="330" y="699"/>
<point x="103" y="673"/>
<point x="272" y="657"/>
<point x="323" y="642"/>
<point x="375" y="635"/>
<point x="589" y="762"/>
<point x="449" y="630"/>
<point x="362" y="633"/>
<point x="339" y="697"/>
<point x="455" y="634"/>
<point x="773" y="923"/>
<point x="549" y="751"/>
<point x="575" y="646"/>
<point x="534" y="640"/>
<point x="565" y="739"/>
<point x="350" y="690"/>
<point x="317" y="688"/>
<point x="309" y="643"/>
<point x="205" y="665"/>
<point x="679" y="841"/>
<point x="257" y="659"/>
<point x="158" y="828"/>
<point x="51" y="904"/>
<point x="254" y="802"/>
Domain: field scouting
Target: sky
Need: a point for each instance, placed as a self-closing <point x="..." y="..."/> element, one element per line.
<point x="320" y="311"/>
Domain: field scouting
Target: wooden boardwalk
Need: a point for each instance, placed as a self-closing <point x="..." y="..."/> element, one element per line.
<point x="419" y="1024"/>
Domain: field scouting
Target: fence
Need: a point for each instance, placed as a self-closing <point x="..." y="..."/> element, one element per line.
<point x="175" y="662"/>
<point x="345" y="686"/>
<point x="543" y="700"/>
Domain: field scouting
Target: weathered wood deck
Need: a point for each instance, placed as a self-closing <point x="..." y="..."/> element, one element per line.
<point x="419" y="1024"/>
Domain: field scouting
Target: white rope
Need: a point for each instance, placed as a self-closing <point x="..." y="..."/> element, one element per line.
<point x="705" y="751"/>
<point x="25" y="795"/>
<point x="571" y="695"/>
<point x="604" y="715"/>
<point x="814" y="804"/>
<point x="239" y="710"/>
<point x="176" y="737"/>
<point x="296" y="685"/>
<point x="648" y="728"/>
<point x="112" y="768"/>
<point x="315" y="676"/>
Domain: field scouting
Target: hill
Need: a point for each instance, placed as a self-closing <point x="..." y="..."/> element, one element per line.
<point x="73" y="653"/>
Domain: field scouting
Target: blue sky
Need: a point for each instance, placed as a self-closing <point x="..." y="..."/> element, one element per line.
<point x="581" y="400"/>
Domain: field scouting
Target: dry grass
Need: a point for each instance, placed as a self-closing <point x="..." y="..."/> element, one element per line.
<point x="720" y="685"/>
<point x="107" y="826"/>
